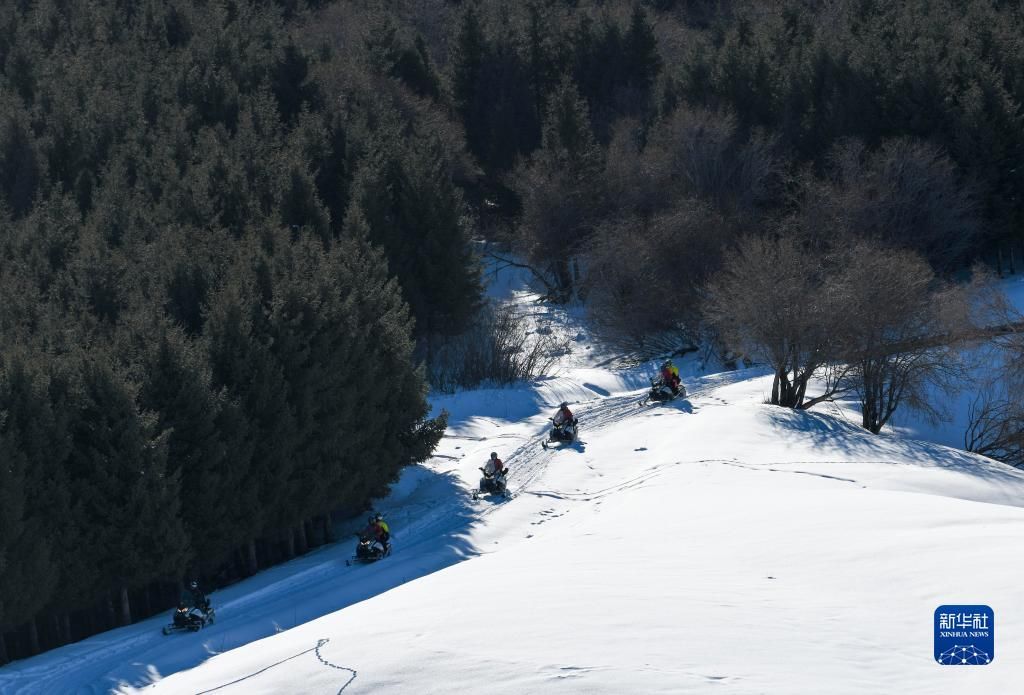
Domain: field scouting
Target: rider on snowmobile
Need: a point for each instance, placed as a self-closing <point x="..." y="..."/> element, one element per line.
<point x="370" y="530"/>
<point x="383" y="530"/>
<point x="377" y="530"/>
<point x="494" y="472"/>
<point x="193" y="597"/>
<point x="494" y="466"/>
<point x="564" y="423"/>
<point x="564" y="416"/>
<point x="194" y="610"/>
<point x="670" y="376"/>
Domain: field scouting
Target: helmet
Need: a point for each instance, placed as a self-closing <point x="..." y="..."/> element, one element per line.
<point x="667" y="364"/>
<point x="379" y="517"/>
<point x="563" y="404"/>
<point x="193" y="584"/>
<point x="494" y="454"/>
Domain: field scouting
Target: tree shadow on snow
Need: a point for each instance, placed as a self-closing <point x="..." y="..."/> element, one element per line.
<point x="512" y="403"/>
<point x="827" y="431"/>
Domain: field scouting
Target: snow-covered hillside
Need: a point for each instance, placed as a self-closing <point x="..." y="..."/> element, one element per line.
<point x="713" y="544"/>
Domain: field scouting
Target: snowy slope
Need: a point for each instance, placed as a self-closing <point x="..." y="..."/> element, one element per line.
<point x="708" y="545"/>
<point x="718" y="545"/>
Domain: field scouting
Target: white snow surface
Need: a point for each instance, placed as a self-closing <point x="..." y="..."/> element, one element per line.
<point x="709" y="545"/>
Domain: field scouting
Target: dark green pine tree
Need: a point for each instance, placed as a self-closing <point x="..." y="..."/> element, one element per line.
<point x="322" y="141"/>
<point x="542" y="55"/>
<point x="596" y="66"/>
<point x="560" y="201"/>
<point x="12" y="535"/>
<point x="209" y="450"/>
<point x="569" y="143"/>
<point x="641" y="61"/>
<point x="415" y="68"/>
<point x="512" y="125"/>
<point x="127" y="500"/>
<point x="69" y="505"/>
<point x="242" y="362"/>
<point x="27" y="437"/>
<point x="301" y="209"/>
<point x="387" y="395"/>
<point x="302" y="315"/>
<point x="290" y="84"/>
<point x="471" y="51"/>
<point x="415" y="213"/>
<point x="21" y="172"/>
<point x="187" y="290"/>
<point x="409" y="64"/>
<point x="496" y="93"/>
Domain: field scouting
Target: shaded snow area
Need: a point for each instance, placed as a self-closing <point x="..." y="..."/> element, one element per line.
<point x="708" y="545"/>
<point x="983" y="360"/>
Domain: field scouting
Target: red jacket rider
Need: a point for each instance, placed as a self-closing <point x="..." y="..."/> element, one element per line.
<point x="494" y="466"/>
<point x="563" y="416"/>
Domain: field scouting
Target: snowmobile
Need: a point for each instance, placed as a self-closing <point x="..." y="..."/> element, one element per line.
<point x="565" y="433"/>
<point x="369" y="550"/>
<point x="492" y="485"/>
<point x="661" y="392"/>
<point x="191" y="618"/>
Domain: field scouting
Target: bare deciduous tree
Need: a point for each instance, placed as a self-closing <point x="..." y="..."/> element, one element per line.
<point x="902" y="334"/>
<point x="644" y="278"/>
<point x="996" y="416"/>
<point x="701" y="154"/>
<point x="907" y="194"/>
<point x="774" y="302"/>
<point x="864" y="318"/>
<point x="996" y="429"/>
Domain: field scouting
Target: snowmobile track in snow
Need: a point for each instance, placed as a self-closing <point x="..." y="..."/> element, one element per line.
<point x="528" y="461"/>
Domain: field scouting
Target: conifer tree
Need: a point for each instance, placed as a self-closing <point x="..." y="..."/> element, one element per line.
<point x="67" y="502"/>
<point x="32" y="450"/>
<point x="410" y="64"/>
<point x="208" y="451"/>
<point x="309" y="336"/>
<point x="290" y="84"/>
<point x="542" y="58"/>
<point x="244" y="365"/>
<point x="415" y="214"/>
<point x="300" y="206"/>
<point x="390" y="430"/>
<point x="118" y="474"/>
<point x="27" y="569"/>
<point x="21" y="172"/>
<point x="496" y="93"/>
<point x="641" y="60"/>
<point x="569" y="142"/>
<point x="334" y="167"/>
<point x="471" y="49"/>
<point x="560" y="202"/>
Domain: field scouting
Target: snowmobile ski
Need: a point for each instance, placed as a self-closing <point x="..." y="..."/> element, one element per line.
<point x="503" y="495"/>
